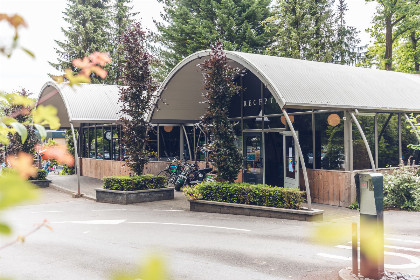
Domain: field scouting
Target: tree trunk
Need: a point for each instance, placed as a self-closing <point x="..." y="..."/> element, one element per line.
<point x="388" y="43"/>
<point x="414" y="45"/>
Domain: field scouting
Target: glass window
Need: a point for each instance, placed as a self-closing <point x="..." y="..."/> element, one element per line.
<point x="254" y="123"/>
<point x="152" y="143"/>
<point x="329" y="142"/>
<point x="388" y="140"/>
<point x="190" y="135"/>
<point x="270" y="104"/>
<point x="92" y="143"/>
<point x="99" y="143"/>
<point x="169" y="142"/>
<point x="303" y="124"/>
<point x="116" y="143"/>
<point x="107" y="142"/>
<point x="361" y="158"/>
<point x="274" y="122"/>
<point x="251" y="95"/>
<point x="85" y="148"/>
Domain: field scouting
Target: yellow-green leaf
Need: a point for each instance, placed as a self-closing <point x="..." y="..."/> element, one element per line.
<point x="47" y="115"/>
<point x="15" y="190"/>
<point x="31" y="54"/>
<point x="5" y="229"/>
<point x="41" y="131"/>
<point x="8" y="120"/>
<point x="21" y="130"/>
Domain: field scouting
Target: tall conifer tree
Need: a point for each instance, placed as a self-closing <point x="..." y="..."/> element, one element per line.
<point x="192" y="25"/>
<point x="88" y="31"/>
<point x="302" y="29"/>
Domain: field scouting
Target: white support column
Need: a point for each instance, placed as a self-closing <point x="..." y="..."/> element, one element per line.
<point x="181" y="143"/>
<point x="188" y="141"/>
<point x="376" y="142"/>
<point x="313" y="141"/>
<point x="305" y="174"/>
<point x="399" y="138"/>
<point x="372" y="163"/>
<point x="348" y="142"/>
<point x="76" y="159"/>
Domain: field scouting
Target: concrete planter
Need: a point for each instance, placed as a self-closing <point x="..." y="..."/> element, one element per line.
<point x="257" y="211"/>
<point x="129" y="197"/>
<point x="41" y="183"/>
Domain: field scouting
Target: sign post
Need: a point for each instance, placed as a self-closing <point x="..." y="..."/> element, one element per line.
<point x="371" y="199"/>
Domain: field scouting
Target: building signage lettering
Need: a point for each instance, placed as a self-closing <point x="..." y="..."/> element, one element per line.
<point x="258" y="102"/>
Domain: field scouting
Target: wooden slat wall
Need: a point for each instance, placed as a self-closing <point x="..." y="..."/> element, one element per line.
<point x="331" y="187"/>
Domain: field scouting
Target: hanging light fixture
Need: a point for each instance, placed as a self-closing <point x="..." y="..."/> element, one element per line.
<point x="333" y="119"/>
<point x="168" y="128"/>
<point x="283" y="119"/>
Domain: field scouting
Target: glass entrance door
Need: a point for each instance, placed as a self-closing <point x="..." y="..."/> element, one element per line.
<point x="291" y="161"/>
<point x="253" y="161"/>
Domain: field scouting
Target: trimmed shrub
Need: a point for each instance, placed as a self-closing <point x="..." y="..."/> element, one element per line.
<point x="41" y="174"/>
<point x="134" y="183"/>
<point x="243" y="193"/>
<point x="402" y="189"/>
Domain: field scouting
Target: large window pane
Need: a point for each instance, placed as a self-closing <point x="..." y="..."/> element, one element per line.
<point x="107" y="142"/>
<point x="329" y="141"/>
<point x="303" y="124"/>
<point x="169" y="142"/>
<point x="92" y="142"/>
<point x="99" y="143"/>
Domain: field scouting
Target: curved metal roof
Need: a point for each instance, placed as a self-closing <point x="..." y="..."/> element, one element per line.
<point x="87" y="103"/>
<point x="294" y="84"/>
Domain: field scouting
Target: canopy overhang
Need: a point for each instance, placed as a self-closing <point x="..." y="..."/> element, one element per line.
<point x="294" y="84"/>
<point x="87" y="103"/>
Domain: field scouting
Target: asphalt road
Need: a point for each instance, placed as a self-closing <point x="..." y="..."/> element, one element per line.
<point x="92" y="240"/>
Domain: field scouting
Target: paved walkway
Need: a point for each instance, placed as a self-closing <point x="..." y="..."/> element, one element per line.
<point x="88" y="185"/>
<point x="69" y="183"/>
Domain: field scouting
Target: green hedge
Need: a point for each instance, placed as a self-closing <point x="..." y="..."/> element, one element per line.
<point x="41" y="175"/>
<point x="134" y="183"/>
<point x="243" y="193"/>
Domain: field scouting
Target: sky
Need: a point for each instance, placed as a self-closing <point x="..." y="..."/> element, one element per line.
<point x="44" y="19"/>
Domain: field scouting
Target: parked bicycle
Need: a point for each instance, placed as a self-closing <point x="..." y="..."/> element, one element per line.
<point x="172" y="172"/>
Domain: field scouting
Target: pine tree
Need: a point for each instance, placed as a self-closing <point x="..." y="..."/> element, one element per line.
<point x="192" y="25"/>
<point x="302" y="29"/>
<point x="122" y="17"/>
<point x="88" y="31"/>
<point x="347" y="38"/>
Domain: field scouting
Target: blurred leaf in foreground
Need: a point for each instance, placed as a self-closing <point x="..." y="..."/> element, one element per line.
<point x="154" y="269"/>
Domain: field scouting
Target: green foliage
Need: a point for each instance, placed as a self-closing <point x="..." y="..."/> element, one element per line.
<point x="354" y="206"/>
<point x="137" y="95"/>
<point x="220" y="88"/>
<point x="394" y="30"/>
<point x="402" y="189"/>
<point x="41" y="174"/>
<point x="306" y="29"/>
<point x="133" y="183"/>
<point x="243" y="193"/>
<point x="189" y="26"/>
<point x="67" y="170"/>
<point x="87" y="32"/>
<point x="14" y="190"/>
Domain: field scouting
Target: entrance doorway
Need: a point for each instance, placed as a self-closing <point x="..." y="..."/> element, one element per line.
<point x="253" y="161"/>
<point x="291" y="160"/>
<point x="274" y="175"/>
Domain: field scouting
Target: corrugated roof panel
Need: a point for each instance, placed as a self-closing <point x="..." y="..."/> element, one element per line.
<point x="317" y="84"/>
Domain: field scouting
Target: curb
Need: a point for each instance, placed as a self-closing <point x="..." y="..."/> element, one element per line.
<point x="73" y="194"/>
<point x="346" y="274"/>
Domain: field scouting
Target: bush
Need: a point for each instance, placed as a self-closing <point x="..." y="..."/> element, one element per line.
<point x="134" y="183"/>
<point x="67" y="170"/>
<point x="41" y="174"/>
<point x="402" y="189"/>
<point x="243" y="193"/>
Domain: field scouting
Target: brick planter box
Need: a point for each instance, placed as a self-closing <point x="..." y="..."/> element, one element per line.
<point x="257" y="211"/>
<point x="41" y="183"/>
<point x="129" y="197"/>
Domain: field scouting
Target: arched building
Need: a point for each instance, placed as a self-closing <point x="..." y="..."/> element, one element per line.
<point x="291" y="115"/>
